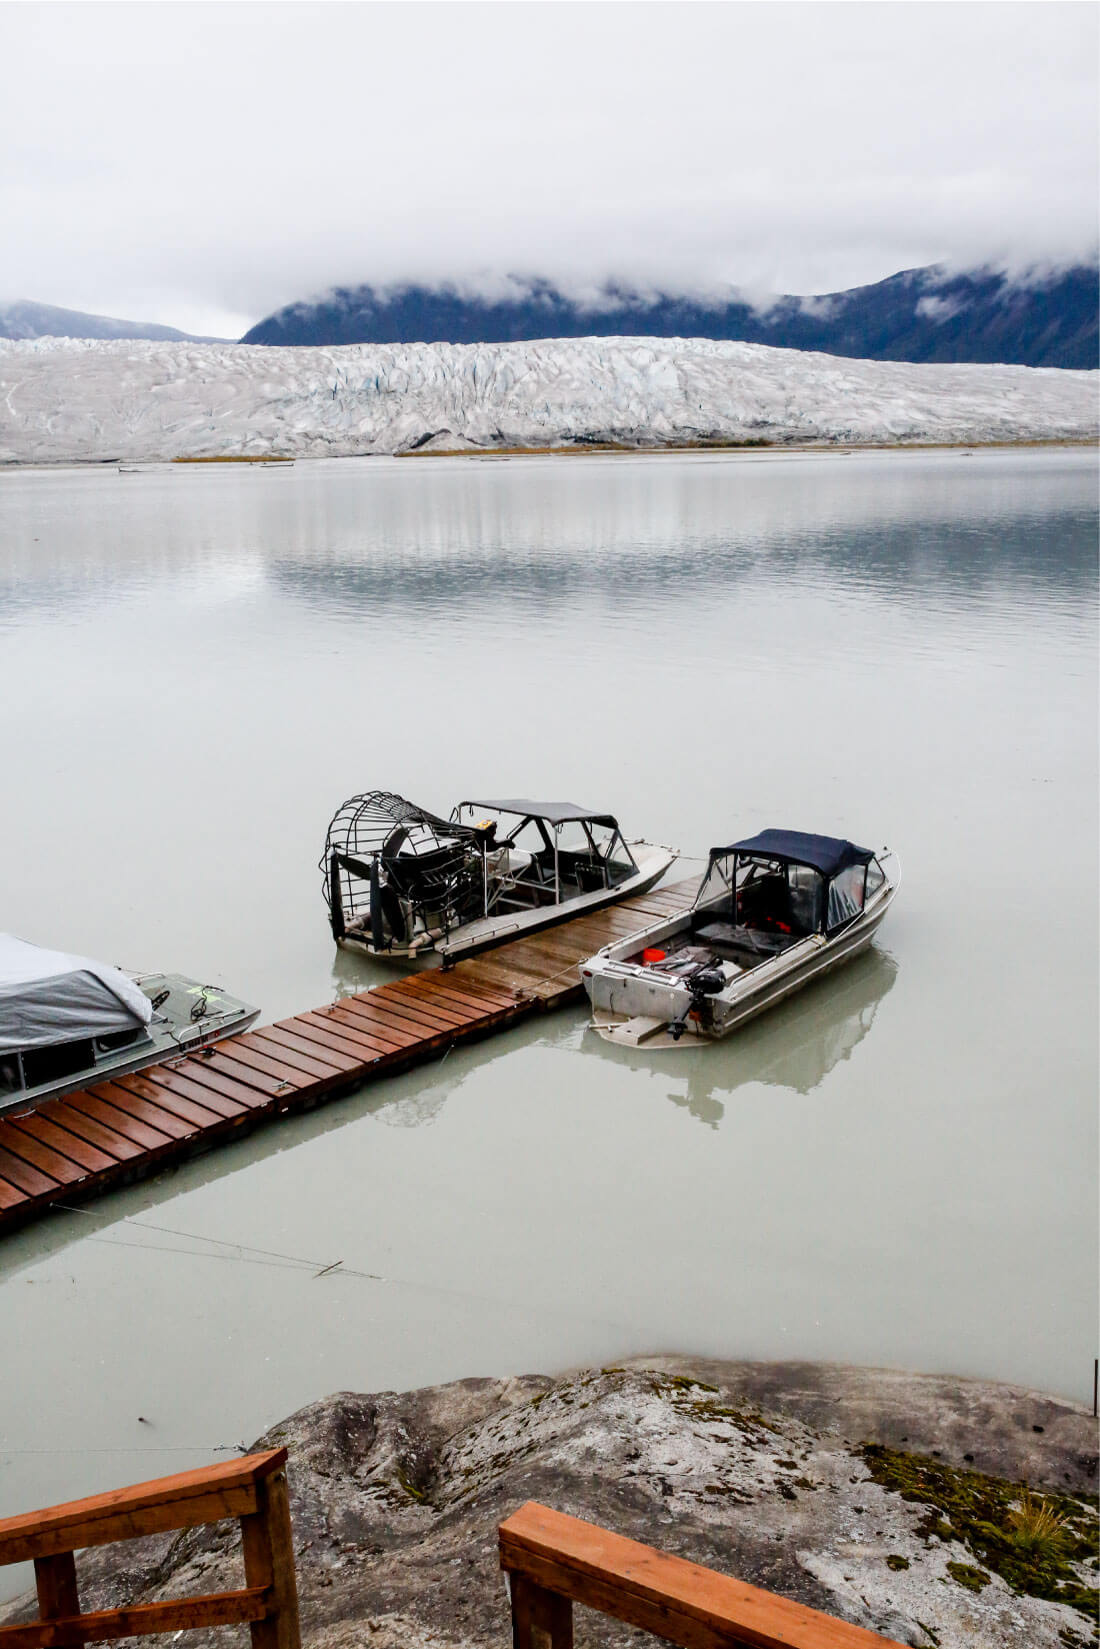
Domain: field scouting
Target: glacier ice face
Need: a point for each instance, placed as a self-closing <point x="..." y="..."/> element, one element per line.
<point x="64" y="399"/>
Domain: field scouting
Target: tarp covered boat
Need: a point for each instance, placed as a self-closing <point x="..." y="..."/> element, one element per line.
<point x="67" y="1021"/>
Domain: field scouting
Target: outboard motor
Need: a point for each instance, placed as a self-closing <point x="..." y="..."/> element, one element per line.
<point x="706" y="981"/>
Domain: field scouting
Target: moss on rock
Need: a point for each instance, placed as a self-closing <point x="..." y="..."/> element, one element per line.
<point x="983" y="1514"/>
<point x="975" y="1580"/>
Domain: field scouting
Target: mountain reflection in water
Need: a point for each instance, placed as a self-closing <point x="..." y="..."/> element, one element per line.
<point x="382" y="534"/>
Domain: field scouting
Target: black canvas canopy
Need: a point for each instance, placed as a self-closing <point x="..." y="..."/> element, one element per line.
<point x="828" y="854"/>
<point x="554" y="813"/>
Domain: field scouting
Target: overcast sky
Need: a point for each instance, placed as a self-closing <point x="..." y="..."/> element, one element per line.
<point x="200" y="164"/>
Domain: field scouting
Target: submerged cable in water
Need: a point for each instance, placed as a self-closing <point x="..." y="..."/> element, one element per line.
<point x="298" y="1262"/>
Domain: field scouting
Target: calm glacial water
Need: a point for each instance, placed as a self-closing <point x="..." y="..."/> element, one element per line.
<point x="199" y="664"/>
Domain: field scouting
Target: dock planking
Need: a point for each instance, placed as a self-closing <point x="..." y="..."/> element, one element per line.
<point x="82" y="1144"/>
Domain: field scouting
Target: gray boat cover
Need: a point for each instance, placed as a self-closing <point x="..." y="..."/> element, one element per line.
<point x="47" y="996"/>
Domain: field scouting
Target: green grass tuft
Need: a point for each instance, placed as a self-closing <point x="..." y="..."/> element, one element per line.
<point x="1035" y="1544"/>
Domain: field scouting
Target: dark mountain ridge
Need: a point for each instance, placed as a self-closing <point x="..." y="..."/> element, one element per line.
<point x="931" y="314"/>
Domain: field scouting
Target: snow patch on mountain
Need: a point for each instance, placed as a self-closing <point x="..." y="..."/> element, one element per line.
<point x="72" y="399"/>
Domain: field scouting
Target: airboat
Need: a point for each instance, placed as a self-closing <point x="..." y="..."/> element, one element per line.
<point x="67" y="1022"/>
<point x="772" y="913"/>
<point x="400" y="881"/>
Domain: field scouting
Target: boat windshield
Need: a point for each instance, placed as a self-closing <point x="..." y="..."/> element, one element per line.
<point x="599" y="845"/>
<point x="846" y="895"/>
<point x="579" y="852"/>
<point x="783" y="892"/>
<point x="770" y="891"/>
<point x="718" y="882"/>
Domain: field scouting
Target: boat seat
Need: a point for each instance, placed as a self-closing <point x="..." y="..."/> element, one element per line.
<point x="720" y="933"/>
<point x="745" y="945"/>
<point x="590" y="878"/>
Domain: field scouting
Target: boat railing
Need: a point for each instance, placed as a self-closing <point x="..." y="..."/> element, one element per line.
<point x="553" y="1561"/>
<point x="252" y="1489"/>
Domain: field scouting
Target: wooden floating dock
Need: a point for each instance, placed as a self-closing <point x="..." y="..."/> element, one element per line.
<point x="85" y="1143"/>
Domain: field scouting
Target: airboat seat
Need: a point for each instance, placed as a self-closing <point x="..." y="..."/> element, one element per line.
<point x="515" y="862"/>
<point x="426" y="871"/>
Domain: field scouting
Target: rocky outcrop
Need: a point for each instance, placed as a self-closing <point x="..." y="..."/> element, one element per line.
<point x="64" y="400"/>
<point x="760" y="1470"/>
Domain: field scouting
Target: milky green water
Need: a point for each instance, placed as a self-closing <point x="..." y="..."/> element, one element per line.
<point x="898" y="1167"/>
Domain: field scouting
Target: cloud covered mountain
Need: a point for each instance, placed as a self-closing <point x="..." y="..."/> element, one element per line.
<point x="921" y="315"/>
<point x="23" y="319"/>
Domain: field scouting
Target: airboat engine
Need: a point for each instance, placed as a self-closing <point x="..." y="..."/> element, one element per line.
<point x="397" y="876"/>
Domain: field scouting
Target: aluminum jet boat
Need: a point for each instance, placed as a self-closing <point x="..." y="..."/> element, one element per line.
<point x="772" y="913"/>
<point x="401" y="882"/>
<point x="67" y="1022"/>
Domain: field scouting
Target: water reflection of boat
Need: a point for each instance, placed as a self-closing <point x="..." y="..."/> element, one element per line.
<point x="794" y="1047"/>
<point x="821" y="1030"/>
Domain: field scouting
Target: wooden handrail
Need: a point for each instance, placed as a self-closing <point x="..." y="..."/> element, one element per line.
<point x="252" y="1489"/>
<point x="554" y="1561"/>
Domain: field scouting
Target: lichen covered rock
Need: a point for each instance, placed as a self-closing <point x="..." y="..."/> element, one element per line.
<point x="798" y="1478"/>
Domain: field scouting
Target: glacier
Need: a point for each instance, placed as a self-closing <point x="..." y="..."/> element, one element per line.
<point x="90" y="400"/>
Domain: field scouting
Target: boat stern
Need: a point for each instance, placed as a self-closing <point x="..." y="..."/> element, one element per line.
<point x="188" y="1015"/>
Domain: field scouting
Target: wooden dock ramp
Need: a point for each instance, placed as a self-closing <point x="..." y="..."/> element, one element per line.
<point x="85" y="1143"/>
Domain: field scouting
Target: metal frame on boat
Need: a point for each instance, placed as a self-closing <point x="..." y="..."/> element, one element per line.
<point x="772" y="913"/>
<point x="400" y="881"/>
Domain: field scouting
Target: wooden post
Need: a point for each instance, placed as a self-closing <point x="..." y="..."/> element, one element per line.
<point x="540" y="1619"/>
<point x="268" y="1547"/>
<point x="58" y="1597"/>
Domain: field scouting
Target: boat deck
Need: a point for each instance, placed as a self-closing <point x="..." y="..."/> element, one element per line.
<point x="82" y="1144"/>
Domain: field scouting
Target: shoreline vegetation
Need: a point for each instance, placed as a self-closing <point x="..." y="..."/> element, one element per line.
<point x="717" y="445"/>
<point x="580" y="449"/>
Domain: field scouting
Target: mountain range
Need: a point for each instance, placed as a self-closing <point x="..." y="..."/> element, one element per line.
<point x="23" y="319"/>
<point x="919" y="315"/>
<point x="931" y="315"/>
